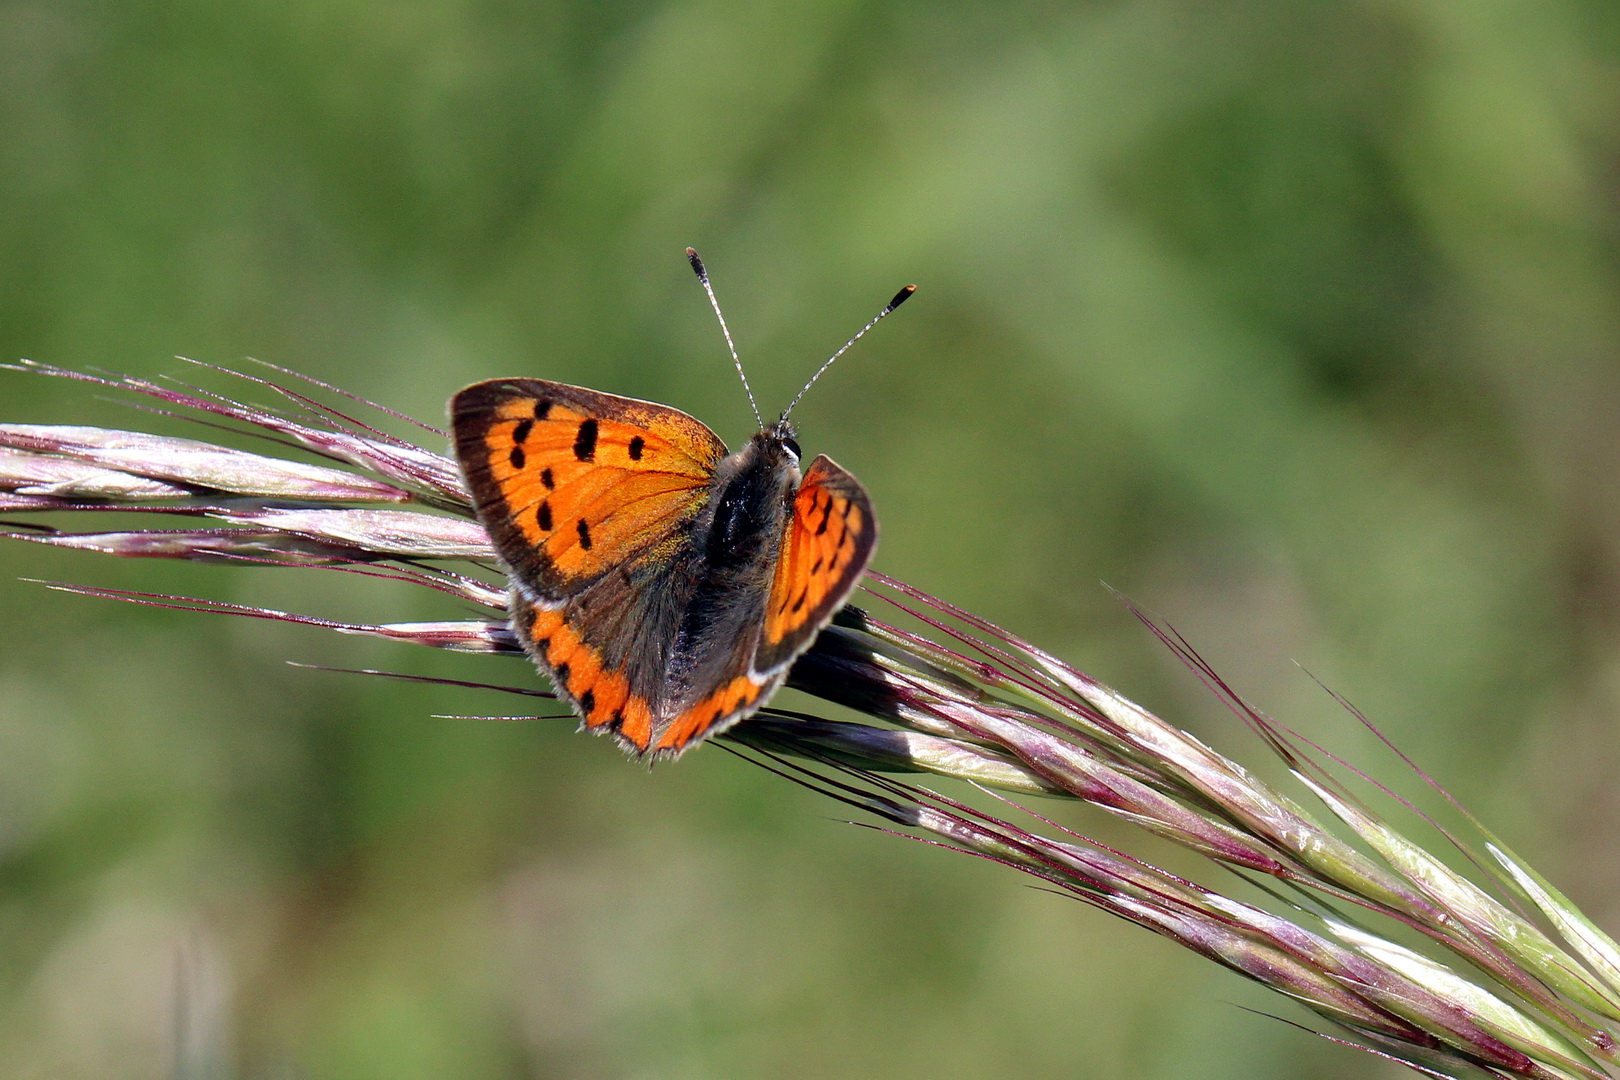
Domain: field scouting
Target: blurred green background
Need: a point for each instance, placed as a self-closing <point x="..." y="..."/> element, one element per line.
<point x="1299" y="323"/>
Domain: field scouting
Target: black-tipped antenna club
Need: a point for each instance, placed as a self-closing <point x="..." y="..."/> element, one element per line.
<point x="703" y="278"/>
<point x="899" y="298"/>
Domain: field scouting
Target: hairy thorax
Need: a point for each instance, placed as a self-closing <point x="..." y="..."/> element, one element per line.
<point x="734" y="540"/>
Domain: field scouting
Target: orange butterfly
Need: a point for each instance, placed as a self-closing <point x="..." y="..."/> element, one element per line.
<point x="665" y="585"/>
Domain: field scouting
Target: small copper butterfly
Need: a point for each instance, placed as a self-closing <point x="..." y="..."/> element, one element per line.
<point x="664" y="584"/>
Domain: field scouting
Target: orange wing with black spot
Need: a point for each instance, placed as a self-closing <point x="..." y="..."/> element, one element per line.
<point x="572" y="483"/>
<point x="588" y="498"/>
<point x="828" y="542"/>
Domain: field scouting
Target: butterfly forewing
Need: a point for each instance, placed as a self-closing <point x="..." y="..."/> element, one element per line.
<point x="829" y="541"/>
<point x="569" y="481"/>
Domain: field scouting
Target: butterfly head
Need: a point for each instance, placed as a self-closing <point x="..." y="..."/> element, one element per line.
<point x="782" y="434"/>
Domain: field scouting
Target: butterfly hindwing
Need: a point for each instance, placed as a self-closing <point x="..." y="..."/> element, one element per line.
<point x="570" y="481"/>
<point x="827" y="543"/>
<point x="608" y="696"/>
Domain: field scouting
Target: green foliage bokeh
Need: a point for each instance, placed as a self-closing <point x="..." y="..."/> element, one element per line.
<point x="1299" y="323"/>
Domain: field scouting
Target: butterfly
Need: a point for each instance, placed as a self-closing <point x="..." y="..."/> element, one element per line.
<point x="665" y="584"/>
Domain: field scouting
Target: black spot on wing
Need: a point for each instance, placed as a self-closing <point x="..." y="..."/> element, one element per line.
<point x="542" y="516"/>
<point x="548" y="480"/>
<point x="636" y="445"/>
<point x="587" y="702"/>
<point x="826" y="512"/>
<point x="585" y="440"/>
<point x="584" y="535"/>
<point x="517" y="457"/>
<point x="521" y="432"/>
<point x="541" y="408"/>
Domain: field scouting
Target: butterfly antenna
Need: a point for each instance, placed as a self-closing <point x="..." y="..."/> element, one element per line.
<point x="899" y="298"/>
<point x="703" y="277"/>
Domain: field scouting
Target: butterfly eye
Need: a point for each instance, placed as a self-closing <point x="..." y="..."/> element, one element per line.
<point x="792" y="446"/>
